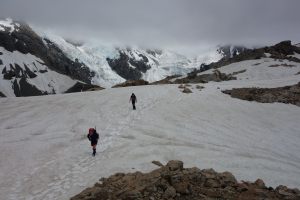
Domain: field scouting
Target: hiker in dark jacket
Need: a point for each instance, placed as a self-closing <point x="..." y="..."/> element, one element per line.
<point x="133" y="100"/>
<point x="93" y="136"/>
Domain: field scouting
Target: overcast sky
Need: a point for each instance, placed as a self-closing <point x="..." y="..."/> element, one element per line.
<point x="164" y="23"/>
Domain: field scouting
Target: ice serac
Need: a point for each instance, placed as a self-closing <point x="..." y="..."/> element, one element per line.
<point x="32" y="66"/>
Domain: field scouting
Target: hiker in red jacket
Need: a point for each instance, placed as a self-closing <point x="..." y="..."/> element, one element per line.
<point x="93" y="136"/>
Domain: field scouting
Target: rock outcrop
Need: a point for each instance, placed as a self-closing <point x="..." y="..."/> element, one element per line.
<point x="132" y="83"/>
<point x="129" y="68"/>
<point x="287" y="94"/>
<point x="1" y="94"/>
<point x="173" y="181"/>
<point x="166" y="80"/>
<point x="82" y="87"/>
<point x="187" y="90"/>
<point x="216" y="76"/>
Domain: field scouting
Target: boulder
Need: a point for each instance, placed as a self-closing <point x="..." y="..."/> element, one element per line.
<point x="260" y="183"/>
<point x="182" y="187"/>
<point x="175" y="165"/>
<point x="227" y="178"/>
<point x="181" y="86"/>
<point x="187" y="90"/>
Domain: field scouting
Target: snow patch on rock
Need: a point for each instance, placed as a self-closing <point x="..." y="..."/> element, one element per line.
<point x="9" y="24"/>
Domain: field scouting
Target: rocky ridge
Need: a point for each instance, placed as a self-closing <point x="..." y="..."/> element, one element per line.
<point x="287" y="94"/>
<point x="25" y="40"/>
<point x="130" y="83"/>
<point x="19" y="37"/>
<point x="282" y="50"/>
<point x="216" y="76"/>
<point x="129" y="68"/>
<point x="173" y="181"/>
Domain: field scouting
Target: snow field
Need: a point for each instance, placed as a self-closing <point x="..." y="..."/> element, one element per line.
<point x="45" y="154"/>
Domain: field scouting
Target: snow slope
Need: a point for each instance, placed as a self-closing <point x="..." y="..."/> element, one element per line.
<point x="49" y="81"/>
<point x="259" y="70"/>
<point x="45" y="154"/>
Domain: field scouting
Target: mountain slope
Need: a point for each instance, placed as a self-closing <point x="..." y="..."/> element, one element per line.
<point x="283" y="56"/>
<point x="31" y="66"/>
<point x="29" y="76"/>
<point x="113" y="65"/>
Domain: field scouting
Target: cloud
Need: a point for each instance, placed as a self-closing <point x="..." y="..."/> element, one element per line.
<point x="164" y="23"/>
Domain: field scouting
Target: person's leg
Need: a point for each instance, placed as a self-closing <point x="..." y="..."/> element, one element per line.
<point x="133" y="106"/>
<point x="94" y="150"/>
